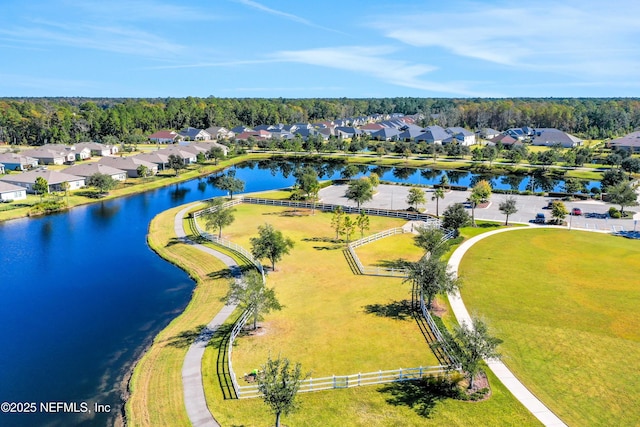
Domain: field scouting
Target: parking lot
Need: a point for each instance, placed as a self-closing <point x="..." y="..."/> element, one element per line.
<point x="594" y="213"/>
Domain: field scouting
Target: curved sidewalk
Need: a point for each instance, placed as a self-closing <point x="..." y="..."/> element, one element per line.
<point x="194" y="398"/>
<point x="513" y="384"/>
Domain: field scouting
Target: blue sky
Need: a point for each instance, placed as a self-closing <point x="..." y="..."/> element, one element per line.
<point x="296" y="49"/>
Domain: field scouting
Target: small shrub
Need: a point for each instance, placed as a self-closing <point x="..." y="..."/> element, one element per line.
<point x="614" y="213"/>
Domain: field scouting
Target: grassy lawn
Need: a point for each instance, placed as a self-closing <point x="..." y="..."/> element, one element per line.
<point x="319" y="294"/>
<point x="565" y="304"/>
<point x="389" y="251"/>
<point x="156" y="385"/>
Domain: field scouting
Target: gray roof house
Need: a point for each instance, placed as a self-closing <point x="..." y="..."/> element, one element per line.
<point x="51" y="157"/>
<point x="629" y="142"/>
<point x="89" y="169"/>
<point x="218" y="132"/>
<point x="129" y="164"/>
<point x="54" y="179"/>
<point x="386" y="134"/>
<point x="193" y="134"/>
<point x="549" y="137"/>
<point x="16" y="161"/>
<point x="433" y="135"/>
<point x="98" y="149"/>
<point x="464" y="136"/>
<point x="206" y="146"/>
<point x="488" y="133"/>
<point x="346" y="131"/>
<point x="10" y="192"/>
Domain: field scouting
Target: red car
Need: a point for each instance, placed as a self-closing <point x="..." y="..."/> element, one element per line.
<point x="576" y="211"/>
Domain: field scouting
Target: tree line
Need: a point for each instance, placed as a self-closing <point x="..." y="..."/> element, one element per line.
<point x="36" y="121"/>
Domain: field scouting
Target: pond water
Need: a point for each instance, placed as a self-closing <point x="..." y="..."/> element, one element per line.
<point x="81" y="294"/>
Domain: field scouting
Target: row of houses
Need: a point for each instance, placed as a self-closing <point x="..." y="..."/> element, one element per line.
<point x="396" y="127"/>
<point x="16" y="186"/>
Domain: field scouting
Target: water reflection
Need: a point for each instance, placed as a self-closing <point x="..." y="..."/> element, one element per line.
<point x="178" y="194"/>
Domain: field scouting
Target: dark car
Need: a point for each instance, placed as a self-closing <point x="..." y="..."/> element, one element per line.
<point x="540" y="218"/>
<point x="576" y="211"/>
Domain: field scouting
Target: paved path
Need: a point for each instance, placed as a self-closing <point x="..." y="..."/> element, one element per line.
<point x="537" y="408"/>
<point x="194" y="399"/>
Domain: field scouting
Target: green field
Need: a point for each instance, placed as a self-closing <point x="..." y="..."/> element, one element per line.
<point x="335" y="322"/>
<point x="565" y="304"/>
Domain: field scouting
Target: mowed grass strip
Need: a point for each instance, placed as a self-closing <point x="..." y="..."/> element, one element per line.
<point x="156" y="385"/>
<point x="565" y="303"/>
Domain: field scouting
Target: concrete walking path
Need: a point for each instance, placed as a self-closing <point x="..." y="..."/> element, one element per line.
<point x="531" y="402"/>
<point x="194" y="398"/>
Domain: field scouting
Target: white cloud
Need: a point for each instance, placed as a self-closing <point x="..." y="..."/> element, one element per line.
<point x="568" y="37"/>
<point x="105" y="38"/>
<point x="139" y="10"/>
<point x="371" y="61"/>
<point x="289" y="16"/>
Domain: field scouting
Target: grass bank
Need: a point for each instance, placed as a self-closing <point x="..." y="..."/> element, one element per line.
<point x="156" y="394"/>
<point x="565" y="304"/>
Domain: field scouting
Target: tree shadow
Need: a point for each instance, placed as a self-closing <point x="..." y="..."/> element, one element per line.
<point x="337" y="243"/>
<point x="398" y="310"/>
<point x="230" y="273"/>
<point x="489" y="225"/>
<point x="422" y="395"/>
<point x="393" y="263"/>
<point x="186" y="338"/>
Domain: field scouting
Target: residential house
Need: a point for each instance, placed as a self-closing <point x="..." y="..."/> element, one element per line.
<point x="505" y="139"/>
<point x="464" y="136"/>
<point x="347" y="131"/>
<point x="371" y="128"/>
<point x="97" y="149"/>
<point x="218" y="132"/>
<point x="241" y="129"/>
<point x="549" y="137"/>
<point x="89" y="169"/>
<point x="433" y="135"/>
<point x="17" y="161"/>
<point x="386" y="134"/>
<point x="51" y="157"/>
<point x="165" y="137"/>
<point x="129" y="164"/>
<point x="10" y="192"/>
<point x="411" y="133"/>
<point x="78" y="154"/>
<point x="488" y="133"/>
<point x="516" y="133"/>
<point x="189" y="155"/>
<point x="206" y="146"/>
<point x="54" y="179"/>
<point x="629" y="142"/>
<point x="193" y="134"/>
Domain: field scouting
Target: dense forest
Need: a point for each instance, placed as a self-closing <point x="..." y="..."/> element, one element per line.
<point x="36" y="121"/>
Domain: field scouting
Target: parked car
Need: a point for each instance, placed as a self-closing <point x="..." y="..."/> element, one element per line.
<point x="576" y="211"/>
<point x="540" y="218"/>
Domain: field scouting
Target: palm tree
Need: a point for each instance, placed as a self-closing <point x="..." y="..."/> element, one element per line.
<point x="438" y="193"/>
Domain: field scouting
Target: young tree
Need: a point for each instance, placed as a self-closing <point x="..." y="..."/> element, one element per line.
<point x="438" y="193"/>
<point x="444" y="182"/>
<point x="279" y="383"/>
<point x="431" y="239"/>
<point x="508" y="207"/>
<point x="270" y="244"/>
<point x="64" y="186"/>
<point x="218" y="216"/>
<point x="41" y="186"/>
<point x="143" y="171"/>
<point x="337" y="221"/>
<point x="363" y="223"/>
<point x="102" y="182"/>
<point x="454" y="217"/>
<point x="480" y="193"/>
<point x="349" y="226"/>
<point x="431" y="276"/>
<point x="558" y="211"/>
<point x="359" y="191"/>
<point x="215" y="153"/>
<point x="622" y="194"/>
<point x="416" y="197"/>
<point x="176" y="163"/>
<point x="472" y="344"/>
<point x="250" y="293"/>
<point x="374" y="179"/>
